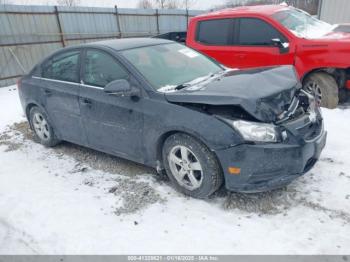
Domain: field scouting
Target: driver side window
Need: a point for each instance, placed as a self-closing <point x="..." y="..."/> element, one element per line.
<point x="101" y="68"/>
<point x="256" y="32"/>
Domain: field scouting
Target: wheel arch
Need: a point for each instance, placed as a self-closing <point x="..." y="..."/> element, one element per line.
<point x="339" y="74"/>
<point x="28" y="108"/>
<point x="166" y="135"/>
<point x="27" y="112"/>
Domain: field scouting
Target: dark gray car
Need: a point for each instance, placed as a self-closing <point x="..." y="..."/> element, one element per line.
<point x="167" y="106"/>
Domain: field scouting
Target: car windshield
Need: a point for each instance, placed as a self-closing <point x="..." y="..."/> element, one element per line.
<point x="170" y="67"/>
<point x="302" y="24"/>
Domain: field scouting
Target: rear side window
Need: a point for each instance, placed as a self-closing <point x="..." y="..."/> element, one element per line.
<point x="64" y="67"/>
<point x="101" y="69"/>
<point x="214" y="32"/>
<point x="256" y="32"/>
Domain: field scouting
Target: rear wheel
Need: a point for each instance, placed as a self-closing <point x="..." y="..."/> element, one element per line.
<point x="44" y="132"/>
<point x="325" y="89"/>
<point x="191" y="166"/>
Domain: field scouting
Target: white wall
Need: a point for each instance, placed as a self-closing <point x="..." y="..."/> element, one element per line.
<point x="335" y="11"/>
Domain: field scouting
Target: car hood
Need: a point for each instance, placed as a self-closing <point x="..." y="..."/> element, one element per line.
<point x="264" y="93"/>
<point x="339" y="32"/>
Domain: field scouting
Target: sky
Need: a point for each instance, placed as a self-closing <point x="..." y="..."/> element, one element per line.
<point x="200" y="4"/>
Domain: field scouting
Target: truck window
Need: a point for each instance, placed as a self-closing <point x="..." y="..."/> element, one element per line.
<point x="256" y="32"/>
<point x="214" y="32"/>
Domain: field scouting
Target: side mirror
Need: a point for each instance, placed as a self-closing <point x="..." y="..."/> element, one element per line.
<point x="283" y="47"/>
<point x="121" y="87"/>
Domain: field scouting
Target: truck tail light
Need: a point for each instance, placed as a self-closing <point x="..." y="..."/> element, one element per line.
<point x="347" y="85"/>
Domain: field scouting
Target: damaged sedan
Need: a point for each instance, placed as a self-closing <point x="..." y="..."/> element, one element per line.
<point x="169" y="107"/>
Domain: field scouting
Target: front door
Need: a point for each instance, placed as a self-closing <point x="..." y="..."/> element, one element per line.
<point x="113" y="124"/>
<point x="253" y="47"/>
<point x="59" y="84"/>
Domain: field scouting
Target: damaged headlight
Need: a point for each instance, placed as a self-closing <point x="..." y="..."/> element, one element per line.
<point x="256" y="132"/>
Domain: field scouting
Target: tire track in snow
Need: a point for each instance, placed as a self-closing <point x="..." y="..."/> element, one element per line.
<point x="333" y="213"/>
<point x="12" y="234"/>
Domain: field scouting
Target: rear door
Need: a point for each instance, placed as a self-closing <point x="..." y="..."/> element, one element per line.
<point x="59" y="82"/>
<point x="252" y="45"/>
<point x="113" y="124"/>
<point x="214" y="37"/>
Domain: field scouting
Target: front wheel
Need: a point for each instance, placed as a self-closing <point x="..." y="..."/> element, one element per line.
<point x="191" y="166"/>
<point x="325" y="89"/>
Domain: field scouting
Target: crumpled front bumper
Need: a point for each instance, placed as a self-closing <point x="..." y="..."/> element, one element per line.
<point x="269" y="166"/>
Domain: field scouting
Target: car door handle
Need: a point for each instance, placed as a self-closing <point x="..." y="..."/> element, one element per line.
<point x="240" y="56"/>
<point x="47" y="92"/>
<point x="86" y="101"/>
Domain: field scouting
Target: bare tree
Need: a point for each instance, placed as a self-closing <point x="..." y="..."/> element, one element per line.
<point x="172" y="4"/>
<point x="166" y="4"/>
<point x="188" y="4"/>
<point x="68" y="2"/>
<point x="161" y="3"/>
<point x="145" y="4"/>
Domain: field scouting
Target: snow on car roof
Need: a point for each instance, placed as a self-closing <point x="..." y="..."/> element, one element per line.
<point x="261" y="9"/>
<point x="129" y="43"/>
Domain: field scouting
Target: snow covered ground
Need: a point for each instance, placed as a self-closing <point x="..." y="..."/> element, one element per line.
<point x="72" y="200"/>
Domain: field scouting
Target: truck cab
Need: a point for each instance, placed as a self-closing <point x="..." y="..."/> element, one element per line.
<point x="270" y="35"/>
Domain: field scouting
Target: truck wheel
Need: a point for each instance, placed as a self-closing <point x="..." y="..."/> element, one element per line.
<point x="42" y="129"/>
<point x="191" y="166"/>
<point x="325" y="89"/>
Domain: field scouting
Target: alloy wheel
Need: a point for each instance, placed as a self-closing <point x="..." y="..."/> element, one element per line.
<point x="185" y="167"/>
<point x="41" y="127"/>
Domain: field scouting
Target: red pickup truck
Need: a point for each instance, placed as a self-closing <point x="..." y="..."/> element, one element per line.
<point x="269" y="35"/>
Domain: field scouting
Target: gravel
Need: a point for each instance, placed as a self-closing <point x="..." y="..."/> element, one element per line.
<point x="6" y="140"/>
<point x="135" y="195"/>
<point x="85" y="156"/>
<point x="132" y="194"/>
<point x="262" y="203"/>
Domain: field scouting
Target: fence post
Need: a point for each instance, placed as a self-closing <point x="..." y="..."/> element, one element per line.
<point x="187" y="18"/>
<point x="118" y="21"/>
<point x="319" y="9"/>
<point x="157" y="16"/>
<point x="59" y="26"/>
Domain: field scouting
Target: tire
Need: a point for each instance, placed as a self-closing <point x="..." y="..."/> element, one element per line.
<point x="198" y="162"/>
<point x="42" y="128"/>
<point x="325" y="89"/>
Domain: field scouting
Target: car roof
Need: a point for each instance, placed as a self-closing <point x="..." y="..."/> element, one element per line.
<point x="127" y="43"/>
<point x="255" y="9"/>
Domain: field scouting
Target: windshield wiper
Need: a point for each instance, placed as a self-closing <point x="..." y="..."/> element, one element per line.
<point x="198" y="80"/>
<point x="182" y="86"/>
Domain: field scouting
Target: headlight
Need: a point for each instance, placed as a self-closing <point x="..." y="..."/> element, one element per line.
<point x="256" y="132"/>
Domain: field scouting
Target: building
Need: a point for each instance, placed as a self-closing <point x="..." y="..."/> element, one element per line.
<point x="335" y="11"/>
